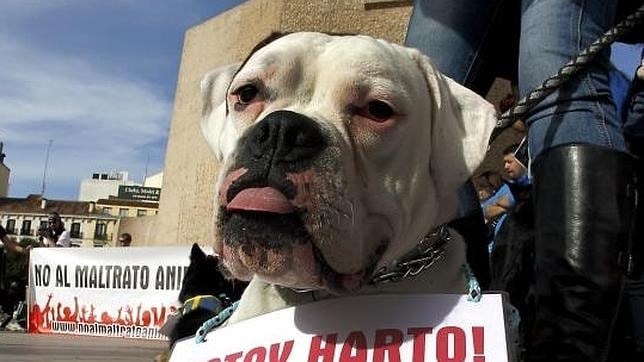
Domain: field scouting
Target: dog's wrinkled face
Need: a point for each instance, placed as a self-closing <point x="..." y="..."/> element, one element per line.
<point x="338" y="154"/>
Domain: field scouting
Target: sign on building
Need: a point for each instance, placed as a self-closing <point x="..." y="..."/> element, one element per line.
<point x="139" y="193"/>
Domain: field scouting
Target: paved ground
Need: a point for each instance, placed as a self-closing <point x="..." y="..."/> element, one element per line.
<point x="16" y="347"/>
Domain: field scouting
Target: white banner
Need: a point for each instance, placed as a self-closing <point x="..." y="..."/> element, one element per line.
<point x="115" y="292"/>
<point x="415" y="328"/>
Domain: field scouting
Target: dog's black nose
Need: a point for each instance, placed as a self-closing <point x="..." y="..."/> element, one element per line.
<point x="285" y="137"/>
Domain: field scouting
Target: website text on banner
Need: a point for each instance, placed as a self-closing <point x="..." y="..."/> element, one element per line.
<point x="415" y="328"/>
<point x="115" y="292"/>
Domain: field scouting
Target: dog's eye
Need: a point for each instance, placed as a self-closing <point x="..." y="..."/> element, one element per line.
<point x="245" y="94"/>
<point x="378" y="111"/>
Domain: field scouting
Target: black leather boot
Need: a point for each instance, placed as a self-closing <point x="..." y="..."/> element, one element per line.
<point x="584" y="205"/>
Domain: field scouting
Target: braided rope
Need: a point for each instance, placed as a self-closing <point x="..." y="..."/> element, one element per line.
<point x="525" y="104"/>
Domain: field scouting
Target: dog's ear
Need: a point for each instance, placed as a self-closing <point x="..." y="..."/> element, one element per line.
<point x="461" y="122"/>
<point x="221" y="135"/>
<point x="196" y="254"/>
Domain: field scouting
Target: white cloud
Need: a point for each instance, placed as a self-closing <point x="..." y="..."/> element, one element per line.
<point x="98" y="120"/>
<point x="62" y="89"/>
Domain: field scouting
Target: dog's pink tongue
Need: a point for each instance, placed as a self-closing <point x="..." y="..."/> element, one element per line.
<point x="266" y="199"/>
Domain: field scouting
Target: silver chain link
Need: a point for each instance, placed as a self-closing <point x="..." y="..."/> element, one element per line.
<point x="428" y="251"/>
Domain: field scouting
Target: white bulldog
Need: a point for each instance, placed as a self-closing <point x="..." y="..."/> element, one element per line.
<point x="339" y="155"/>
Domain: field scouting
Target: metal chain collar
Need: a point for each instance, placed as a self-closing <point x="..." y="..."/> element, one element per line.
<point x="428" y="251"/>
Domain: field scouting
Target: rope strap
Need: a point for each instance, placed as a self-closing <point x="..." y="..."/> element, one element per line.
<point x="525" y="104"/>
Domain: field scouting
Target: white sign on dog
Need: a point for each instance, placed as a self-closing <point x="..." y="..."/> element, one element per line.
<point x="395" y="328"/>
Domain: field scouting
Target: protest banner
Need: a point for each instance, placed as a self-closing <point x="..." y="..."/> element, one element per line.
<point x="115" y="292"/>
<point x="414" y="328"/>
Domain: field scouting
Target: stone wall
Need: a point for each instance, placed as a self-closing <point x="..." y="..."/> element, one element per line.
<point x="143" y="230"/>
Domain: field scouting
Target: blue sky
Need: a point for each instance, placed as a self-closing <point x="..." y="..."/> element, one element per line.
<point x="97" y="77"/>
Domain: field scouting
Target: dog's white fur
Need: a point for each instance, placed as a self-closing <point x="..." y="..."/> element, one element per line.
<point x="394" y="182"/>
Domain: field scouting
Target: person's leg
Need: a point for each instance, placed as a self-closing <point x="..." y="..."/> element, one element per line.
<point x="582" y="110"/>
<point x="634" y="112"/>
<point x="582" y="183"/>
<point x="457" y="36"/>
<point x="634" y="129"/>
<point x="584" y="207"/>
<point x="635" y="299"/>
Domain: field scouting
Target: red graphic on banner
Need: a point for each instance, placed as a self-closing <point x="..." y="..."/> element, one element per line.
<point x="84" y="318"/>
<point x="67" y="315"/>
<point x="41" y="318"/>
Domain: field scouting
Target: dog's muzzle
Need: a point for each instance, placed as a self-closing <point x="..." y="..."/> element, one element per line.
<point x="261" y="221"/>
<point x="283" y="143"/>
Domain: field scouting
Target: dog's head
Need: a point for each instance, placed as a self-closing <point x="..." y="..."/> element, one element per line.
<point x="201" y="282"/>
<point x="204" y="278"/>
<point x="339" y="153"/>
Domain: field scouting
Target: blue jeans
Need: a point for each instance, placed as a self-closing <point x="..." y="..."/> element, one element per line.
<point x="634" y="110"/>
<point x="634" y="125"/>
<point x="455" y="34"/>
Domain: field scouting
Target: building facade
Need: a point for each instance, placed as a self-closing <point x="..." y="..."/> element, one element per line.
<point x="103" y="185"/>
<point x="88" y="226"/>
<point x="126" y="208"/>
<point x="4" y="174"/>
<point x="155" y="180"/>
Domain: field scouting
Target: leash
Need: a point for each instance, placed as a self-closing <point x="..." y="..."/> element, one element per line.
<point x="214" y="322"/>
<point x="587" y="55"/>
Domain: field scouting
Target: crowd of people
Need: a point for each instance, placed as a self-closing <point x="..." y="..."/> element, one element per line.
<point x="582" y="246"/>
<point x="565" y="244"/>
<point x="508" y="195"/>
<point x="13" y="287"/>
<point x="14" y="253"/>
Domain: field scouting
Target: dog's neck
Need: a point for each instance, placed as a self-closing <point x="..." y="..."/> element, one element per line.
<point x="427" y="252"/>
<point x="444" y="276"/>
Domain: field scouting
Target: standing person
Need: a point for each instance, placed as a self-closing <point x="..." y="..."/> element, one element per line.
<point x="496" y="206"/>
<point x="11" y="244"/>
<point x="55" y="235"/>
<point x="125" y="240"/>
<point x="496" y="200"/>
<point x="513" y="167"/>
<point x="7" y="299"/>
<point x="581" y="171"/>
<point x="634" y="132"/>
